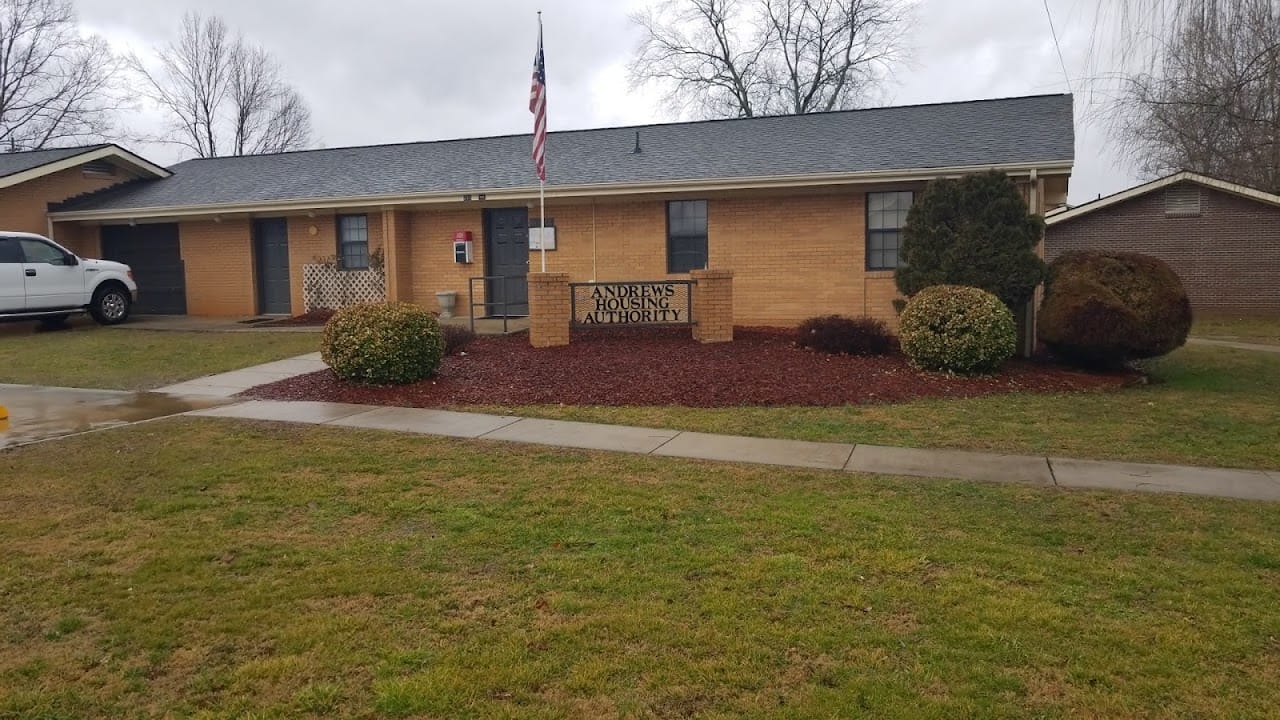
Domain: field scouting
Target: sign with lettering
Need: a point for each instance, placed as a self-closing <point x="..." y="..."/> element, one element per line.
<point x="632" y="303"/>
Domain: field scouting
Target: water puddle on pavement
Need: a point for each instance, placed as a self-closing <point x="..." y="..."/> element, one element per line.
<point x="40" y="413"/>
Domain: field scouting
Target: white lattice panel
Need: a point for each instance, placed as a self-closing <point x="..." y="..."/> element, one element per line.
<point x="329" y="288"/>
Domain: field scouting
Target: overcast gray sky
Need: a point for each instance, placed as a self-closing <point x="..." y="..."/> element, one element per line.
<point x="382" y="71"/>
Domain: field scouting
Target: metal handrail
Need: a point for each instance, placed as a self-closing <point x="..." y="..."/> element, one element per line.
<point x="471" y="298"/>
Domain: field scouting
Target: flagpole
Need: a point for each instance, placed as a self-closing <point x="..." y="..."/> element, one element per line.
<point x="542" y="216"/>
<point x="542" y="181"/>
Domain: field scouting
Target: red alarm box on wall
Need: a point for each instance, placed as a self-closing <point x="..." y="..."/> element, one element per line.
<point x="462" y="246"/>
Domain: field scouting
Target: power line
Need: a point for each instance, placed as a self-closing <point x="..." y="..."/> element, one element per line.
<point x="1058" y="46"/>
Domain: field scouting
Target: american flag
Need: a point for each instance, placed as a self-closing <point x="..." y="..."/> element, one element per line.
<point x="538" y="106"/>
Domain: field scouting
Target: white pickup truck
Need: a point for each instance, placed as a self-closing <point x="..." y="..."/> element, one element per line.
<point x="41" y="280"/>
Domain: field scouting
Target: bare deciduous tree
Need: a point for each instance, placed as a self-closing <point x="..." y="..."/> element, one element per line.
<point x="742" y="58"/>
<point x="56" y="87"/>
<point x="1202" y="88"/>
<point x="223" y="94"/>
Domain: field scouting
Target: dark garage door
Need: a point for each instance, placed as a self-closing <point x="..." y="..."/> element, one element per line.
<point x="156" y="258"/>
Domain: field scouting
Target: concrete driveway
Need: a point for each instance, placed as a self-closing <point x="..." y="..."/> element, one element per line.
<point x="42" y="413"/>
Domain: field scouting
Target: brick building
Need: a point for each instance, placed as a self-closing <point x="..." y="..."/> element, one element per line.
<point x="1222" y="239"/>
<point x="804" y="210"/>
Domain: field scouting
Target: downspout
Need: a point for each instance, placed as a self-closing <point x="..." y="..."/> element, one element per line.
<point x="593" y="239"/>
<point x="864" y="278"/>
<point x="863" y="240"/>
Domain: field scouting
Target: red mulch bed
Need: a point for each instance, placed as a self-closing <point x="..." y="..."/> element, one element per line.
<point x="666" y="367"/>
<point x="308" y="319"/>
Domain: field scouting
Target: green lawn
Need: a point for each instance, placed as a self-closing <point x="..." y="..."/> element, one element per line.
<point x="1261" y="330"/>
<point x="1207" y="406"/>
<point x="123" y="359"/>
<point x="219" y="569"/>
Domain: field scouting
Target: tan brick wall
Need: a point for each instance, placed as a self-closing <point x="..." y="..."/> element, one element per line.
<point x="793" y="256"/>
<point x="796" y="257"/>
<point x="219" y="258"/>
<point x="397" y="227"/>
<point x="712" y="305"/>
<point x="83" y="240"/>
<point x="432" y="268"/>
<point x="25" y="207"/>
<point x="549" y="309"/>
<point x="1228" y="257"/>
<point x="310" y="239"/>
<point x="219" y="267"/>
<point x="608" y="241"/>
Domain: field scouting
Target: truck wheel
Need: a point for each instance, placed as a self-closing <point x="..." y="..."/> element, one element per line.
<point x="110" y="305"/>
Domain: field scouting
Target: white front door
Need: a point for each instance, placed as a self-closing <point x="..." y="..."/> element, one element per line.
<point x="52" y="280"/>
<point x="13" y="286"/>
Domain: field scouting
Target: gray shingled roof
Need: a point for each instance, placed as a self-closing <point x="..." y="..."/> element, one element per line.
<point x="986" y="132"/>
<point x="16" y="162"/>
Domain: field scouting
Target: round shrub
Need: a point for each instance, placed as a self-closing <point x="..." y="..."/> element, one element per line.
<point x="1104" y="309"/>
<point x="957" y="329"/>
<point x="391" y="343"/>
<point x="840" y="335"/>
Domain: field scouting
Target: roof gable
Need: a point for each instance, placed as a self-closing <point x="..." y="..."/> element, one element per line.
<point x="19" y="167"/>
<point x="1159" y="184"/>
<point x="1014" y="132"/>
<point x="16" y="162"/>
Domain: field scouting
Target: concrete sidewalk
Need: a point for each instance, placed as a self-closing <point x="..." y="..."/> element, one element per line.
<point x="1042" y="471"/>
<point x="38" y="413"/>
<point x="1234" y="344"/>
<point x="224" y="385"/>
<point x="192" y="323"/>
<point x="954" y="464"/>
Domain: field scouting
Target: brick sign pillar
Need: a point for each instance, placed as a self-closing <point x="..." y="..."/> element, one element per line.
<point x="548" y="309"/>
<point x="712" y="305"/>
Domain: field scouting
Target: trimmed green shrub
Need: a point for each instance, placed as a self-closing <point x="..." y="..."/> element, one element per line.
<point x="390" y="343"/>
<point x="1104" y="309"/>
<point x="456" y="337"/>
<point x="975" y="231"/>
<point x="840" y="335"/>
<point x="957" y="329"/>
